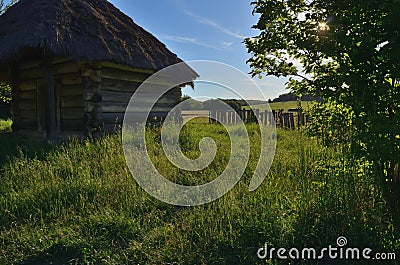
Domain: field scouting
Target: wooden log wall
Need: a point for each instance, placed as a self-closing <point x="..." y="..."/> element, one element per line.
<point x="90" y="97"/>
<point x="93" y="102"/>
<point x="69" y="96"/>
<point x="28" y="96"/>
<point x="118" y="86"/>
<point x="25" y="95"/>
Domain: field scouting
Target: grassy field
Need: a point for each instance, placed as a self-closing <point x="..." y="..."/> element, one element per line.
<point x="286" y="105"/>
<point x="78" y="204"/>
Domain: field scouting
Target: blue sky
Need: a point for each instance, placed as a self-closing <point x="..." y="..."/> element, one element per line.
<point x="203" y="30"/>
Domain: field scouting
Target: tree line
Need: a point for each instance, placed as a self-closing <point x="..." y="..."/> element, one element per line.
<point x="213" y="104"/>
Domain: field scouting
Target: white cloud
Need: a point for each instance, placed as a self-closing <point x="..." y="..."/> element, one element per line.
<point x="227" y="44"/>
<point x="189" y="40"/>
<point x="213" y="24"/>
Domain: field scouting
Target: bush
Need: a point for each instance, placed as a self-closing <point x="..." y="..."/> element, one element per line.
<point x="332" y="123"/>
<point x="5" y="93"/>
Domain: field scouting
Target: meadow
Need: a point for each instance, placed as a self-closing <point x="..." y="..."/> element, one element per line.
<point x="77" y="203"/>
<point x="285" y="105"/>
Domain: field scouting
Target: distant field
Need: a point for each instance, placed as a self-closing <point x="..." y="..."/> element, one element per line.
<point x="195" y="113"/>
<point x="285" y="105"/>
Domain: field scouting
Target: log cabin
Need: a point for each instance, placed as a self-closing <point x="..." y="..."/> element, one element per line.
<point x="73" y="66"/>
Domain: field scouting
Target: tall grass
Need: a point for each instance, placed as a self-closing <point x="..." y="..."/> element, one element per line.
<point x="78" y="204"/>
<point x="12" y="145"/>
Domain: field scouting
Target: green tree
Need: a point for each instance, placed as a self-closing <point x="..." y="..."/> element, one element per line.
<point x="346" y="52"/>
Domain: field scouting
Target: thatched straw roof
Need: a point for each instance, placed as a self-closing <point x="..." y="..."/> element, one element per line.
<point x="92" y="29"/>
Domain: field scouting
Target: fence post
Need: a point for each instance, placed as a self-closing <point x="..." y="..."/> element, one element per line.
<point x="291" y="119"/>
<point x="298" y="118"/>
<point x="274" y="116"/>
<point x="257" y="114"/>
<point x="268" y="117"/>
<point x="285" y="117"/>
<point x="262" y="117"/>
<point x="280" y="116"/>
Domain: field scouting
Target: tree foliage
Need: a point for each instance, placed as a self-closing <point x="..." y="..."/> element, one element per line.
<point x="347" y="53"/>
<point x="212" y="104"/>
<point x="5" y="93"/>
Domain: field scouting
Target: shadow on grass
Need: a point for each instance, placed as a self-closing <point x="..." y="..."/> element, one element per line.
<point x="54" y="256"/>
<point x="13" y="146"/>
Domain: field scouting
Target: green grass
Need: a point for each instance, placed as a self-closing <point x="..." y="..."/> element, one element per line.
<point x="285" y="105"/>
<point x="78" y="204"/>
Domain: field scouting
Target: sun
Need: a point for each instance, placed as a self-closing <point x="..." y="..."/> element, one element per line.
<point x="323" y="26"/>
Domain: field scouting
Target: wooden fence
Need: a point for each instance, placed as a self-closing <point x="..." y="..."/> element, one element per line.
<point x="287" y="120"/>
